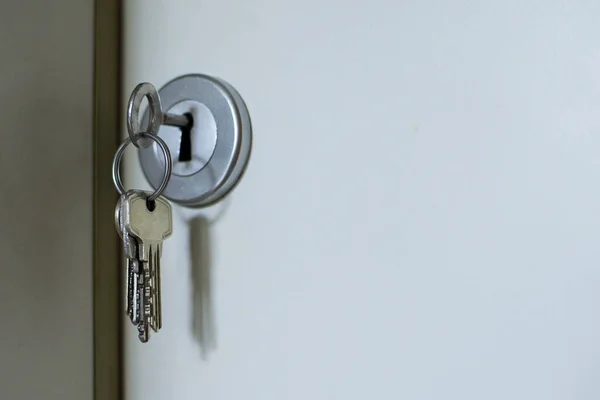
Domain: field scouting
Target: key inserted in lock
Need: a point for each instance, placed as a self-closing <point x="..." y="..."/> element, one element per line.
<point x="185" y="123"/>
<point x="185" y="145"/>
<point x="201" y="137"/>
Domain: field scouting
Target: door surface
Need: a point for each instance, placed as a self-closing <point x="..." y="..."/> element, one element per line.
<point x="419" y="219"/>
<point x="46" y="181"/>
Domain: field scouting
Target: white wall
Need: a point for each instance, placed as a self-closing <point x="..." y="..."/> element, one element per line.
<point x="420" y="218"/>
<point x="46" y="104"/>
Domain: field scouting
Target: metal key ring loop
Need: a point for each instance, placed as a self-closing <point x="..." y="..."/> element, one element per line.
<point x="116" y="169"/>
<point x="142" y="90"/>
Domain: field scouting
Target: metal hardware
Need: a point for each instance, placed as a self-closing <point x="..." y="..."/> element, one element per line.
<point x="166" y="165"/>
<point x="157" y="117"/>
<point x="143" y="221"/>
<point x="207" y="127"/>
<point x="220" y="136"/>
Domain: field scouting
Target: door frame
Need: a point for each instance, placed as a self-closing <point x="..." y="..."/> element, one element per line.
<point x="107" y="279"/>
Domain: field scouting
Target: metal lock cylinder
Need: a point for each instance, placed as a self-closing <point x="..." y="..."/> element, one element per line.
<point x="207" y="129"/>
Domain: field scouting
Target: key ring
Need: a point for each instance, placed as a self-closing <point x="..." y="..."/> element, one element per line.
<point x="156" y="116"/>
<point x="133" y="114"/>
<point x="116" y="170"/>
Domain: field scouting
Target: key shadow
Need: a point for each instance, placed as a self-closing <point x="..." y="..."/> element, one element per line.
<point x="203" y="321"/>
<point x="201" y="269"/>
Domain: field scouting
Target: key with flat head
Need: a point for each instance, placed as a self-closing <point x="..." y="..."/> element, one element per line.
<point x="136" y="276"/>
<point x="133" y="269"/>
<point x="150" y="223"/>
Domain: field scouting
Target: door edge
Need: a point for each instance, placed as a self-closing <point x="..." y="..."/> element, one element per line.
<point x="107" y="319"/>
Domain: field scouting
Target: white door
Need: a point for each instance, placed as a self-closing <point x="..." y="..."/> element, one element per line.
<point x="419" y="218"/>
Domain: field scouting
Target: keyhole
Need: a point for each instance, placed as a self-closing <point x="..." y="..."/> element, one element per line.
<point x="185" y="146"/>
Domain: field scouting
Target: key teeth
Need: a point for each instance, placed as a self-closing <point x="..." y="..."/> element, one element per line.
<point x="143" y="333"/>
<point x="157" y="290"/>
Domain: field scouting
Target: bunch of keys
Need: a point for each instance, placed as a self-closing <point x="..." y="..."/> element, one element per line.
<point x="143" y="225"/>
<point x="143" y="221"/>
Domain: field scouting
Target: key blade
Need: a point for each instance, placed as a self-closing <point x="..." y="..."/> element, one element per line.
<point x="142" y="322"/>
<point x="129" y="298"/>
<point x="134" y="294"/>
<point x="157" y="299"/>
<point x="143" y="332"/>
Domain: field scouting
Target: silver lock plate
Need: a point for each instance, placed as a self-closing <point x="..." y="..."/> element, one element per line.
<point x="221" y="141"/>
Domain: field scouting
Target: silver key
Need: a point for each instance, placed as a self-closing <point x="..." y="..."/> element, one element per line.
<point x="150" y="228"/>
<point x="142" y="303"/>
<point x="133" y="270"/>
<point x="135" y="274"/>
<point x="129" y="243"/>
